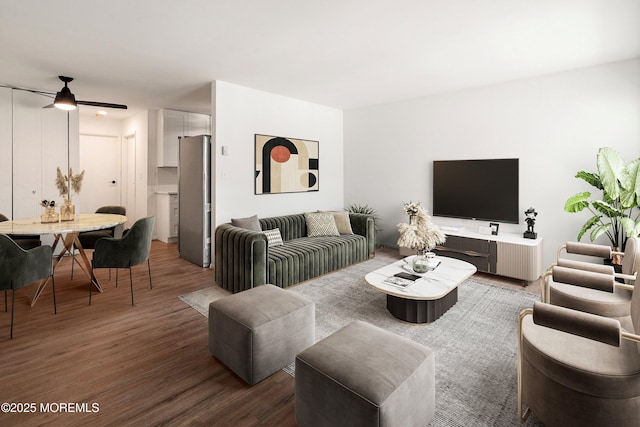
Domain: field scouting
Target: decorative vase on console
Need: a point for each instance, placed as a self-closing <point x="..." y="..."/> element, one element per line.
<point x="422" y="237"/>
<point x="66" y="184"/>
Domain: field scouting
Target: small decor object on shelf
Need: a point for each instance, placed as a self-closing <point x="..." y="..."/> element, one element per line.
<point x="65" y="184"/>
<point x="531" y="215"/>
<point x="49" y="214"/>
<point x="422" y="237"/>
<point x="494" y="228"/>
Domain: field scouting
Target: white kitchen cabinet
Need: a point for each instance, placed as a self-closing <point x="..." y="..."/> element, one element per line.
<point x="173" y="124"/>
<point x="170" y="128"/>
<point x="167" y="217"/>
<point x="197" y="124"/>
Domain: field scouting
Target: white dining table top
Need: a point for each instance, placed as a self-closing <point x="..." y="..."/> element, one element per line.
<point x="82" y="222"/>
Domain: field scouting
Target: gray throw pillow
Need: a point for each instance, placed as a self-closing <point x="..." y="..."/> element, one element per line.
<point x="249" y="223"/>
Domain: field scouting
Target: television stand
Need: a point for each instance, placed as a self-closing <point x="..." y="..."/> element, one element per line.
<point x="505" y="254"/>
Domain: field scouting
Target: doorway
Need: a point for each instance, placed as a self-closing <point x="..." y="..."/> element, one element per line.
<point x="109" y="163"/>
<point x="101" y="159"/>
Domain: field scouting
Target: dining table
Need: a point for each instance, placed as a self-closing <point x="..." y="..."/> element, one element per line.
<point x="65" y="233"/>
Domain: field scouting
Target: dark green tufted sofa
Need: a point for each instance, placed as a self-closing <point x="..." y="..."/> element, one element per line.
<point x="243" y="260"/>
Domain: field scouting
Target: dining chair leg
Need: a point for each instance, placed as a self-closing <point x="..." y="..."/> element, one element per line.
<point x="13" y="304"/>
<point x="131" y="281"/>
<point x="5" y="301"/>
<point x="90" y="285"/>
<point x="73" y="260"/>
<point x="53" y="288"/>
<point x="149" y="266"/>
<point x="116" y="277"/>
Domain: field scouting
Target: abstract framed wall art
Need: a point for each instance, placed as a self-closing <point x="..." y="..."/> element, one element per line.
<point x="285" y="165"/>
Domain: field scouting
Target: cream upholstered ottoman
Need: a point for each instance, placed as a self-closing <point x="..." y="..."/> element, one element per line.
<point x="365" y="376"/>
<point x="259" y="331"/>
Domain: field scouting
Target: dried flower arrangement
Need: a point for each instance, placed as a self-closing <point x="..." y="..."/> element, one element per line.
<point x="424" y="235"/>
<point x="48" y="203"/>
<point x="411" y="208"/>
<point x="66" y="184"/>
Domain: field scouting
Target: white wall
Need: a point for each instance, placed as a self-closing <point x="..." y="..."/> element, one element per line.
<point x="143" y="126"/>
<point x="554" y="124"/>
<point x="90" y="125"/>
<point x="239" y="113"/>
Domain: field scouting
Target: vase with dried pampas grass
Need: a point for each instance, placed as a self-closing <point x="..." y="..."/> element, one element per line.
<point x="422" y="237"/>
<point x="67" y="184"/>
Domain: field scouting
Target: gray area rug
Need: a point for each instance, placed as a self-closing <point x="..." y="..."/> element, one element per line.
<point x="475" y="341"/>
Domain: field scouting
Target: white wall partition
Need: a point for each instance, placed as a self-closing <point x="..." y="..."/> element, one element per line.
<point x="555" y="124"/>
<point x="239" y="114"/>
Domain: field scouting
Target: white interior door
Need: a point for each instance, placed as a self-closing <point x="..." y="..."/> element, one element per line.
<point x="101" y="159"/>
<point x="129" y="178"/>
<point x="27" y="155"/>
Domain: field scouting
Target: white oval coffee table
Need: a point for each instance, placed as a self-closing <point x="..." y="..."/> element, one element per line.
<point x="428" y="297"/>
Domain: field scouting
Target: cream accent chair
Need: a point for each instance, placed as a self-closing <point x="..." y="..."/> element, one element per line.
<point x="579" y="369"/>
<point x="593" y="288"/>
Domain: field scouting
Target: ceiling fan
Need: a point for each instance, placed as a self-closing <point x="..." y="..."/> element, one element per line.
<point x="65" y="100"/>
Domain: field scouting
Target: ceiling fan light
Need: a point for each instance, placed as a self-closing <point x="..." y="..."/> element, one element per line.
<point x="65" y="100"/>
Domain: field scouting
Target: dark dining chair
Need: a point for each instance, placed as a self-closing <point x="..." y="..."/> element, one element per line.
<point x="130" y="250"/>
<point x="28" y="241"/>
<point x="88" y="239"/>
<point x="20" y="267"/>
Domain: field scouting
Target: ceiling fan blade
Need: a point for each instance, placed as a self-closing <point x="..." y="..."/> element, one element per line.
<point x="49" y="106"/>
<point x="102" y="104"/>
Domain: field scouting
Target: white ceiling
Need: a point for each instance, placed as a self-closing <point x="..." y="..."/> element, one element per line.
<point x="339" y="53"/>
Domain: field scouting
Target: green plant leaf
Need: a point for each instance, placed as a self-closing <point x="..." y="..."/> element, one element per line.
<point x="631" y="183"/>
<point x="588" y="225"/>
<point x="577" y="203"/>
<point x="599" y="231"/>
<point x="591" y="178"/>
<point x="606" y="209"/>
<point x="630" y="227"/>
<point x="366" y="209"/>
<point x="610" y="168"/>
<point x="627" y="199"/>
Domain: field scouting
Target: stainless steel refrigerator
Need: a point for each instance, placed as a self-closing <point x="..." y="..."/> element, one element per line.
<point x="194" y="199"/>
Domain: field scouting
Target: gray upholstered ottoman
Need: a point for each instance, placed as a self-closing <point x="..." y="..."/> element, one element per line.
<point x="365" y="376"/>
<point x="259" y="331"/>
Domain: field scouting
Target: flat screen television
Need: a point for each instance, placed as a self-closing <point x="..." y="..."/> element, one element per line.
<point x="476" y="189"/>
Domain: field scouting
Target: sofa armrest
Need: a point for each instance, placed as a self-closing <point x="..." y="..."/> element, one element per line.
<point x="364" y="225"/>
<point x="240" y="258"/>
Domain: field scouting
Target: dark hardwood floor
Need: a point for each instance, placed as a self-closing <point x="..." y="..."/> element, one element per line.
<point x="143" y="365"/>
